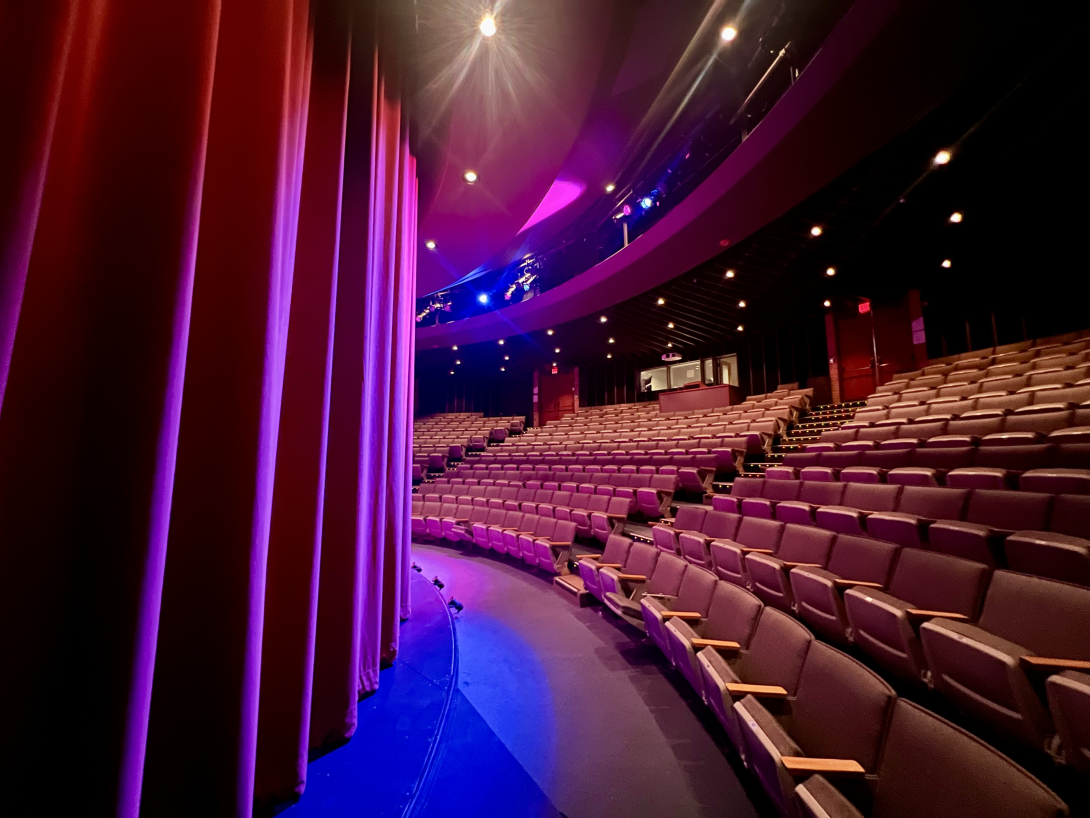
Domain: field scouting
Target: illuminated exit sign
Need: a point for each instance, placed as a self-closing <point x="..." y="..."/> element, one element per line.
<point x="864" y="307"/>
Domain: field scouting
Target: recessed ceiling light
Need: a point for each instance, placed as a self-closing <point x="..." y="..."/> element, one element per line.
<point x="488" y="25"/>
<point x="609" y="354"/>
<point x="557" y="350"/>
<point x="955" y="217"/>
<point x="602" y="319"/>
<point x="831" y="272"/>
<point x="429" y="244"/>
<point x="741" y="328"/>
<point x="457" y="362"/>
<point x="661" y="301"/>
<point x="826" y="303"/>
<point x="503" y="369"/>
<point x="728" y="33"/>
<point x="729" y="273"/>
<point x="816" y="230"/>
<point x="611" y="340"/>
<point x="669" y="346"/>
<point x="500" y="342"/>
<point x="482" y="298"/>
<point x="507" y="357"/>
<point x="946" y="263"/>
<point x="610" y="187"/>
<point x="470" y="176"/>
<point x="455" y="347"/>
<point x="554" y="363"/>
<point x="741" y="303"/>
<point x="941" y="158"/>
<point x="452" y="372"/>
<point x="670" y="325"/>
<point x="548" y="332"/>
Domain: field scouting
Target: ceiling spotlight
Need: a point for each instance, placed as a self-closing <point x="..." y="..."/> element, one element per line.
<point x="557" y="350"/>
<point x="669" y="346"/>
<point x="554" y="363"/>
<point x="741" y="328"/>
<point x="728" y="33"/>
<point x="470" y="176"/>
<point x="729" y="274"/>
<point x="826" y="303"/>
<point x="946" y="263"/>
<point x="500" y="342"/>
<point x="452" y="372"/>
<point x="742" y="304"/>
<point x="816" y="230"/>
<point x="507" y="357"/>
<point x="548" y="332"/>
<point x="611" y="340"/>
<point x="609" y="354"/>
<point x="831" y="272"/>
<point x="941" y="158"/>
<point x="602" y="319"/>
<point x="457" y="362"/>
<point x="455" y="347"/>
<point x="646" y="202"/>
<point x="429" y="244"/>
<point x="503" y="369"/>
<point x="955" y="217"/>
<point x="610" y="187"/>
<point x="488" y="25"/>
<point x="482" y="298"/>
<point x="670" y="325"/>
<point x="661" y="301"/>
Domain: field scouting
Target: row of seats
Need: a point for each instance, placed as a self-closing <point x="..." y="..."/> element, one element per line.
<point x="822" y="733"/>
<point x="1000" y="427"/>
<point x="1033" y="532"/>
<point x="970" y="382"/>
<point x="605" y="484"/>
<point x="985" y="394"/>
<point x="992" y="466"/>
<point x="926" y="618"/>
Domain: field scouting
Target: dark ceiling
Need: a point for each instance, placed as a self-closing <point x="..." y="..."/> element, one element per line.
<point x="885" y="229"/>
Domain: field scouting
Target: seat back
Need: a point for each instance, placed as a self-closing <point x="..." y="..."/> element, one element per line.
<point x="1048" y="617"/>
<point x="803" y="543"/>
<point x="939" y="582"/>
<point x="748" y="487"/>
<point x="780" y="490"/>
<point x="690" y="518"/>
<point x="721" y="525"/>
<point x="862" y="559"/>
<point x="871" y="496"/>
<point x="616" y="551"/>
<point x="973" y="773"/>
<point x="777" y="649"/>
<point x="841" y="708"/>
<point x="756" y="532"/>
<point x="934" y="503"/>
<point x="668" y="574"/>
<point x="821" y="493"/>
<point x="695" y="593"/>
<point x="1009" y="510"/>
<point x="564" y="531"/>
<point x="1071" y="515"/>
<point x="732" y="615"/>
<point x="642" y="559"/>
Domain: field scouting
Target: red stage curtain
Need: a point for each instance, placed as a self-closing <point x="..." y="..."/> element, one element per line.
<point x="204" y="370"/>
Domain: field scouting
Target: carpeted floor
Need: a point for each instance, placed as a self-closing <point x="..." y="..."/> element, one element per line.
<point x="580" y="704"/>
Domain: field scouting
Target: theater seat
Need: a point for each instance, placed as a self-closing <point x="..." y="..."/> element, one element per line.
<point x="775" y="491"/>
<point x="917" y="509"/>
<point x="1069" y="704"/>
<point x="773" y="659"/>
<point x="692" y="601"/>
<point x="754" y="534"/>
<point x="859" y="499"/>
<point x="543" y="529"/>
<point x="605" y="524"/>
<point x="614" y="555"/>
<point x="983" y="668"/>
<point x="812" y="495"/>
<point x="1049" y="554"/>
<point x="769" y="573"/>
<point x="553" y="550"/>
<point x="665" y="533"/>
<point x="693" y="545"/>
<point x="990" y="518"/>
<point x="839" y="711"/>
<point x="924" y="585"/>
<point x="622" y="592"/>
<point x="974" y="777"/>
<point x="732" y="618"/>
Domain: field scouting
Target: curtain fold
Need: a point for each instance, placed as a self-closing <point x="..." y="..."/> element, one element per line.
<point x="207" y="271"/>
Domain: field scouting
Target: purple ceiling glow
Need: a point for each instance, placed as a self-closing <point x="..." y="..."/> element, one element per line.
<point x="559" y="196"/>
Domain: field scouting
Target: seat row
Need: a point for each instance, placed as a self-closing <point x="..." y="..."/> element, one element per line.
<point x="990" y="466"/>
<point x="1043" y="534"/>
<point x="822" y="733"/>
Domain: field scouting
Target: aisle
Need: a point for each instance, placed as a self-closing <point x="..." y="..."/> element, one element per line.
<point x="580" y="705"/>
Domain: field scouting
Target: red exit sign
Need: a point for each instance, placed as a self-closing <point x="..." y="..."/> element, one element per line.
<point x="864" y="307"/>
<point x="555" y="370"/>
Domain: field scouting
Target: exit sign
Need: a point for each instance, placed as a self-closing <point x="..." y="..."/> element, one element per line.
<point x="554" y="370"/>
<point x="864" y="307"/>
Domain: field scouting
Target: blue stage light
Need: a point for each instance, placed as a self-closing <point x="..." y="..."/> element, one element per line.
<point x="646" y="202"/>
<point x="482" y="298"/>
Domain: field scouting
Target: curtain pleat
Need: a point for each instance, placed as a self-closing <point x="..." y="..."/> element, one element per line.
<point x="207" y="273"/>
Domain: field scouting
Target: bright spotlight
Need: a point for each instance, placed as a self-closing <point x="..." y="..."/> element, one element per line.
<point x="661" y="301"/>
<point x="603" y="319"/>
<point x="429" y="244"/>
<point x="455" y="347"/>
<point x="955" y="217"/>
<point x="557" y="350"/>
<point x="831" y="272"/>
<point x="670" y="325"/>
<point x="488" y="25"/>
<point x="482" y="298"/>
<point x="646" y="202"/>
<point x="946" y="263"/>
<point x="500" y="342"/>
<point x="670" y="346"/>
<point x="816" y="230"/>
<point x="741" y="328"/>
<point x="609" y="354"/>
<point x="452" y="372"/>
<point x="742" y="304"/>
<point x="826" y="303"/>
<point x="503" y="369"/>
<point x="728" y="33"/>
<point x="610" y="187"/>
<point x="470" y="176"/>
<point x="548" y="332"/>
<point x="611" y="341"/>
<point x="941" y="158"/>
<point x="507" y="357"/>
<point x="729" y="274"/>
<point x="457" y="363"/>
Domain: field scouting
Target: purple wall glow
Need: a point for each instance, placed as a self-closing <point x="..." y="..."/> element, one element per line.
<point x="559" y="196"/>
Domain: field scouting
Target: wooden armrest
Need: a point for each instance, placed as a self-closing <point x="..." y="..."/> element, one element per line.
<point x="527" y="533"/>
<point x="461" y="520"/>
<point x="658" y="596"/>
<point x="789" y="565"/>
<point x="609" y="565"/>
<point x="632" y="577"/>
<point x="681" y="615"/>
<point x="590" y="557"/>
<point x="558" y="544"/>
<point x="1050" y="665"/>
<point x="614" y="516"/>
<point x="747" y="550"/>
<point x="852" y="583"/>
<point x="919" y="613"/>
<point x="798" y="765"/>
<point x="720" y="644"/>
<point x="766" y="691"/>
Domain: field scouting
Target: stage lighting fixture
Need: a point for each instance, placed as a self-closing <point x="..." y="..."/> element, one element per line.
<point x="831" y="271"/>
<point x="941" y="158"/>
<point x="955" y="217"/>
<point x="482" y="298"/>
<point x="670" y="346"/>
<point x="946" y="263"/>
<point x="728" y="33"/>
<point x="429" y="244"/>
<point x="610" y="187"/>
<point x="470" y="176"/>
<point x="626" y="210"/>
<point x="488" y="25"/>
<point x="816" y="230"/>
<point x="646" y="202"/>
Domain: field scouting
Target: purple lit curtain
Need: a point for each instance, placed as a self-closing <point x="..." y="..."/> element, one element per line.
<point x="207" y="267"/>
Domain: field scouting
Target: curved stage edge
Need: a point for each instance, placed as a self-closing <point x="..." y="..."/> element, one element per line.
<point x="421" y="749"/>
